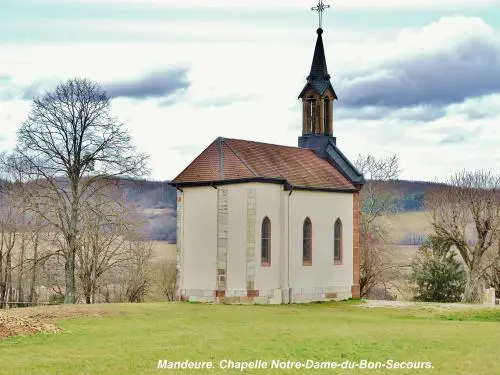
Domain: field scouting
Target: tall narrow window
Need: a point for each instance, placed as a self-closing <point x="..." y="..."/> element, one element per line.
<point x="337" y="242"/>
<point x="265" y="242"/>
<point x="312" y="115"/>
<point x="326" y="118"/>
<point x="307" y="243"/>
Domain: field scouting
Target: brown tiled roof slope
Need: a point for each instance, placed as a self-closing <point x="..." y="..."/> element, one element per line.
<point x="234" y="159"/>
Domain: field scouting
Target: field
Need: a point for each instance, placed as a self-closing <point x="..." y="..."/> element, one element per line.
<point x="131" y="338"/>
<point x="400" y="224"/>
<point x="162" y="249"/>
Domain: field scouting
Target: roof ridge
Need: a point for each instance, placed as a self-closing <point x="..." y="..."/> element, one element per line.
<point x="252" y="161"/>
<point x="265" y="143"/>
<point x="240" y="158"/>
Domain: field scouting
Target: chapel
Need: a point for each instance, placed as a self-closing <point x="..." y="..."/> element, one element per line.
<point x="271" y="224"/>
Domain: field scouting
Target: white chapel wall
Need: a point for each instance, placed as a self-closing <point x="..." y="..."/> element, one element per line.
<point x="247" y="205"/>
<point x="199" y="245"/>
<point x="267" y="203"/>
<point x="267" y="279"/>
<point x="199" y="242"/>
<point x="323" y="208"/>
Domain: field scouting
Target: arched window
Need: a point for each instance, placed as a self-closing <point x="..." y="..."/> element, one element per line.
<point x="265" y="242"/>
<point x="337" y="242"/>
<point x="307" y="243"/>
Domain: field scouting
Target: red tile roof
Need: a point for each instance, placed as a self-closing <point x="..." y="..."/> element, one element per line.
<point x="234" y="159"/>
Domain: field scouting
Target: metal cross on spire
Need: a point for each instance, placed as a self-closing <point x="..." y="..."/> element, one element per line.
<point x="320" y="8"/>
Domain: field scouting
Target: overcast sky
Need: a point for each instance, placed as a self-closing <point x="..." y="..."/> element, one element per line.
<point x="420" y="78"/>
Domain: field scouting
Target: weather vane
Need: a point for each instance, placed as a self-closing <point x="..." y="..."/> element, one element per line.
<point x="320" y="8"/>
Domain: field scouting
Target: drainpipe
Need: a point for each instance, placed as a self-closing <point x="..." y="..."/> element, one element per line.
<point x="181" y="235"/>
<point x="282" y="249"/>
<point x="288" y="249"/>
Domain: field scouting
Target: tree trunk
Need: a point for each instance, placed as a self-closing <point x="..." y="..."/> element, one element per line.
<point x="87" y="289"/>
<point x="20" y="275"/>
<point x="33" y="271"/>
<point x="8" y="279"/>
<point x="69" y="266"/>
<point x="94" y="287"/>
<point x="69" y="277"/>
<point x="2" y="283"/>
<point x="474" y="285"/>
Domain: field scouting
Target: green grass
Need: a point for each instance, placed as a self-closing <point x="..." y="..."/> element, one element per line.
<point x="133" y="337"/>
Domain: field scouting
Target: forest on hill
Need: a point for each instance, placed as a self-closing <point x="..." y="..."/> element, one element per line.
<point x="157" y="200"/>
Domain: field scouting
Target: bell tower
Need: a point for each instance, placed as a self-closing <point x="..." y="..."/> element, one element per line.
<point x="317" y="97"/>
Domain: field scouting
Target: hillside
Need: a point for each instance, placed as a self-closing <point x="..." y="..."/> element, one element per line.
<point x="158" y="202"/>
<point x="410" y="193"/>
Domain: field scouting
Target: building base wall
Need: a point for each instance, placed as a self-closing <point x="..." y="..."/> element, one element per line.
<point x="266" y="296"/>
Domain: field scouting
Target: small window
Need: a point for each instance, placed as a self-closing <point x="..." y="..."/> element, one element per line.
<point x="265" y="242"/>
<point x="307" y="243"/>
<point x="337" y="242"/>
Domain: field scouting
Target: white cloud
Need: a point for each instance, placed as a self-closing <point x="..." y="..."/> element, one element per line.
<point x="476" y="108"/>
<point x="296" y="3"/>
<point x="12" y="114"/>
<point x="261" y="71"/>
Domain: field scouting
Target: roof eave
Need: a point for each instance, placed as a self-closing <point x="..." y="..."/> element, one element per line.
<point x="309" y="85"/>
<point x="306" y="87"/>
<point x="287" y="186"/>
<point x="359" y="180"/>
<point x="339" y="189"/>
<point x="271" y="180"/>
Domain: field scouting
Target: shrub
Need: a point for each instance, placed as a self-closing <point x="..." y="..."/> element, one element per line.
<point x="438" y="275"/>
<point x="166" y="278"/>
<point x="56" y="299"/>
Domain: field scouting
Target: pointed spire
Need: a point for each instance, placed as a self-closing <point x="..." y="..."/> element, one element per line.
<point x="319" y="71"/>
<point x="318" y="78"/>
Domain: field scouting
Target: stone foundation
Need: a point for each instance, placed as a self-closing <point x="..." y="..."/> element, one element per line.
<point x="267" y="296"/>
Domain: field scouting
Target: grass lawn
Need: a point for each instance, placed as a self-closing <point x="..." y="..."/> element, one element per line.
<point x="131" y="338"/>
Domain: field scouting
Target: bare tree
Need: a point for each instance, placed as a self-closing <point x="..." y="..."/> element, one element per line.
<point x="15" y="194"/>
<point x="466" y="215"/>
<point x="136" y="276"/>
<point x="9" y="228"/>
<point x="106" y="224"/>
<point x="23" y="233"/>
<point x="69" y="143"/>
<point x="376" y="200"/>
<point x="36" y="234"/>
<point x="166" y="277"/>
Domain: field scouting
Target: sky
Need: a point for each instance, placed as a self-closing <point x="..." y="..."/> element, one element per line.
<point x="416" y="78"/>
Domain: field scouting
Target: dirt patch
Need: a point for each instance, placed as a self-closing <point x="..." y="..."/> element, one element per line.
<point x="52" y="314"/>
<point x="31" y="320"/>
<point x="12" y="325"/>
